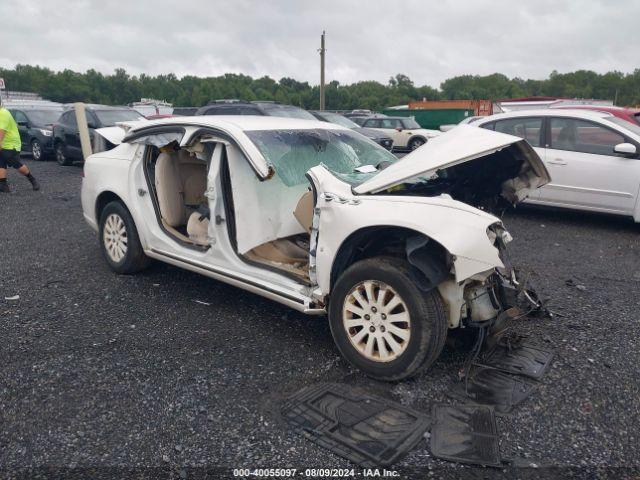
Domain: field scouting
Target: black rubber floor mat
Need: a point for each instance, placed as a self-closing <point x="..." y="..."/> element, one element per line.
<point x="465" y="433"/>
<point x="369" y="431"/>
<point x="523" y="359"/>
<point x="486" y="386"/>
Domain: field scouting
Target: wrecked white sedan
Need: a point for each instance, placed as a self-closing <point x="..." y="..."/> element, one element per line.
<point x="321" y="219"/>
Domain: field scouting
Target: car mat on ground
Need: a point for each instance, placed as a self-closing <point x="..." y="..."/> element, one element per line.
<point x="522" y="358"/>
<point x="465" y="433"/>
<point x="486" y="386"/>
<point x="370" y="431"/>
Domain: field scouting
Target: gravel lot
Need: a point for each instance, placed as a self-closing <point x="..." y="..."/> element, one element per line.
<point x="117" y="374"/>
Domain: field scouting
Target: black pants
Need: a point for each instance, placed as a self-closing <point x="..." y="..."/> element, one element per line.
<point x="10" y="158"/>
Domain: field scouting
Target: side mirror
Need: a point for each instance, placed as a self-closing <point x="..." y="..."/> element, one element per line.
<point x="22" y="123"/>
<point x="625" y="149"/>
<point x="398" y="129"/>
<point x="91" y="125"/>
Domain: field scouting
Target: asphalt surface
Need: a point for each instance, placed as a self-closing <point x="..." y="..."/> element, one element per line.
<point x="125" y="373"/>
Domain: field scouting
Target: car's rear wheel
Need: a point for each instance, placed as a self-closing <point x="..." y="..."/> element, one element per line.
<point x="119" y="240"/>
<point x="61" y="157"/>
<point x="383" y="323"/>
<point x="36" y="150"/>
<point x="416" y="142"/>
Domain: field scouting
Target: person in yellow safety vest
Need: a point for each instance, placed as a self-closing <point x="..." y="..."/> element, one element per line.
<point x="10" y="146"/>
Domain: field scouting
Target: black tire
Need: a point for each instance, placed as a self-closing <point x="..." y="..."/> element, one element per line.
<point x="416" y="142"/>
<point x="428" y="327"/>
<point x="134" y="258"/>
<point x="62" y="159"/>
<point x="36" y="150"/>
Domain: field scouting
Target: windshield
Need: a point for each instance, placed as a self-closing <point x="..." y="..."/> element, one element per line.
<point x="347" y="154"/>
<point x="44" y="116"/>
<point x="410" y="123"/>
<point x="286" y="111"/>
<point x="338" y="120"/>
<point x="632" y="127"/>
<point x="108" y="118"/>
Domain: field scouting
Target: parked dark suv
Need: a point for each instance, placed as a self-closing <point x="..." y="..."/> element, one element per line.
<point x="239" y="107"/>
<point x="370" y="133"/>
<point x="35" y="123"/>
<point x="66" y="138"/>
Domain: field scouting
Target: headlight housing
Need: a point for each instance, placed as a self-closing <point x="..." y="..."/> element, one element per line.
<point x="45" y="132"/>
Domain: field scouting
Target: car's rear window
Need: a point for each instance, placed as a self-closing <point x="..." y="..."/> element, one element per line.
<point x="108" y="118"/>
<point x="286" y="111"/>
<point x="347" y="154"/>
<point x="46" y="116"/>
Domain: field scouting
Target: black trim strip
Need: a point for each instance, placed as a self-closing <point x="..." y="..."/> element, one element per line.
<point x="224" y="274"/>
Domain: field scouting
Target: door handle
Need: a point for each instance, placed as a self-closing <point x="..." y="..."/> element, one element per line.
<point x="557" y="161"/>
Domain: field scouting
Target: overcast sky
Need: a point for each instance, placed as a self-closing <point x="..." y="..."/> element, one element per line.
<point x="366" y="40"/>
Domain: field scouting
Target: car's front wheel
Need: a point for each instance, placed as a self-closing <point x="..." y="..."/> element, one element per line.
<point x="119" y="240"/>
<point x="61" y="157"/>
<point x="36" y="150"/>
<point x="383" y="323"/>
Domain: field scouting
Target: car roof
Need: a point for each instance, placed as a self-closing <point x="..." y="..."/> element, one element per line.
<point x="95" y="106"/>
<point x="601" y="108"/>
<point x="243" y="122"/>
<point x="394" y="118"/>
<point x="27" y="108"/>
<point x="548" y="112"/>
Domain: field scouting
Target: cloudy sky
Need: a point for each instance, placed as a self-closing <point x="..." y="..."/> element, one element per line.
<point x="367" y="39"/>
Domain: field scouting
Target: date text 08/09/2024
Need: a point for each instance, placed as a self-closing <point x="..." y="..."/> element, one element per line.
<point x="315" y="473"/>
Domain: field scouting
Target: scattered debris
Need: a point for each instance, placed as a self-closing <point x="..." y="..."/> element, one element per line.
<point x="582" y="288"/>
<point x="202" y="303"/>
<point x="12" y="299"/>
<point x="367" y="430"/>
<point x="464" y="433"/>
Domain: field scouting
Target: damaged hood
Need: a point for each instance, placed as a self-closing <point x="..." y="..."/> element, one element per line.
<point x="470" y="158"/>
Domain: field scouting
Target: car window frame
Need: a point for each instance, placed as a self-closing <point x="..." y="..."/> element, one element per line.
<point x="541" y="134"/>
<point x="71" y="120"/>
<point x="15" y="117"/>
<point x="625" y="137"/>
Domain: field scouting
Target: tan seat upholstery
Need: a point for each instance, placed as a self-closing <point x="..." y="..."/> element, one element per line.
<point x="198" y="228"/>
<point x="193" y="175"/>
<point x="304" y="211"/>
<point x="169" y="190"/>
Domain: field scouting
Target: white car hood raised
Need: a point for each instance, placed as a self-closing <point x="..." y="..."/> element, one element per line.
<point x="463" y="144"/>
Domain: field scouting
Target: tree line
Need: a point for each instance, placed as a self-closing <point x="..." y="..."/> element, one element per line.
<point x="122" y="88"/>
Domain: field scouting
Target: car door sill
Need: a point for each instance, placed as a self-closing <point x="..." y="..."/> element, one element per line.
<point x="300" y="303"/>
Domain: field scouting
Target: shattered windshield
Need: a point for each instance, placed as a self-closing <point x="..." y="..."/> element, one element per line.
<point x="347" y="154"/>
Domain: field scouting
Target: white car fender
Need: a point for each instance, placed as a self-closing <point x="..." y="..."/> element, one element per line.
<point x="459" y="228"/>
<point x="105" y="172"/>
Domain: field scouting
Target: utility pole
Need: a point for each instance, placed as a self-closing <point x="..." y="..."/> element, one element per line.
<point x="322" y="53"/>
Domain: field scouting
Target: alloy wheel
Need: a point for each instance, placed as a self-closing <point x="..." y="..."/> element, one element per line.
<point x="115" y="237"/>
<point x="36" y="150"/>
<point x="377" y="321"/>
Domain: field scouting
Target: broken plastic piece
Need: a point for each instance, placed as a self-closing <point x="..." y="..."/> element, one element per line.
<point x="369" y="431"/>
<point x="486" y="386"/>
<point x="523" y="359"/>
<point x="465" y="433"/>
<point x="12" y="299"/>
